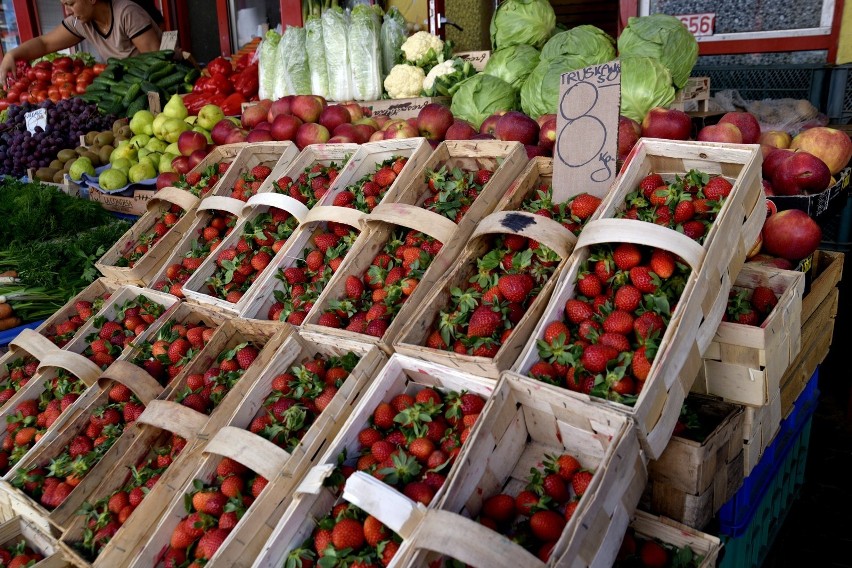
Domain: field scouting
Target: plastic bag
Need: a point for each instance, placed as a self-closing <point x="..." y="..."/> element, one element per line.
<point x="267" y="63"/>
<point x="788" y="115"/>
<point x="316" y="56"/>
<point x="335" y="37"/>
<point x="393" y="35"/>
<point x="366" y="65"/>
<point x="293" y="76"/>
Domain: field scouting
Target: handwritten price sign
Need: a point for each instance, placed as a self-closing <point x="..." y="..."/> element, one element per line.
<point x="699" y="24"/>
<point x="587" y="131"/>
<point x="36" y="118"/>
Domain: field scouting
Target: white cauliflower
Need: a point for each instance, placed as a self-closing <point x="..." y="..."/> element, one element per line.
<point x="416" y="47"/>
<point x="404" y="81"/>
<point x="438" y="70"/>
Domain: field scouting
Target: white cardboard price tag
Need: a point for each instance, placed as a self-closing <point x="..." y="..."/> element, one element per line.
<point x="587" y="131"/>
<point x="35" y="118"/>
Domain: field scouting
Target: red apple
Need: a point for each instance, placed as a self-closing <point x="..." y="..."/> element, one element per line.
<point x="534" y="151"/>
<point x="377" y="136"/>
<point x="356" y="111"/>
<point x="307" y="107"/>
<point x="434" y="120"/>
<point x="221" y="130"/>
<point x="515" y="126"/>
<point x="281" y="106"/>
<point x="181" y="165"/>
<point x="828" y="144"/>
<point x="547" y="134"/>
<point x="189" y="141"/>
<point x="801" y="173"/>
<point x="460" y="130"/>
<point x="763" y="259"/>
<point x="721" y="132"/>
<point x="350" y="131"/>
<point x="167" y="179"/>
<point x="333" y="116"/>
<point x="259" y="136"/>
<point x="381" y="121"/>
<point x="489" y="125"/>
<point x="482" y="136"/>
<point x="667" y="123"/>
<point x="254" y="115"/>
<point x="237" y="135"/>
<point x="196" y="157"/>
<point x="365" y="131"/>
<point x="771" y="161"/>
<point x="791" y="234"/>
<point x="284" y="127"/>
<point x="265" y="125"/>
<point x="544" y="118"/>
<point x="341" y="139"/>
<point x="767" y="188"/>
<point x="370" y="121"/>
<point x="746" y="122"/>
<point x="401" y="129"/>
<point x="629" y="132"/>
<point x="311" y="133"/>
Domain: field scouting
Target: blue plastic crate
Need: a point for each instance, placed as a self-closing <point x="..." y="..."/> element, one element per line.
<point x="737" y="513"/>
<point x="7" y="336"/>
<point x="749" y="546"/>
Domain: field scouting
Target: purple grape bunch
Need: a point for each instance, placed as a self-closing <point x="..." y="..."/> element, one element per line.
<point x="67" y="120"/>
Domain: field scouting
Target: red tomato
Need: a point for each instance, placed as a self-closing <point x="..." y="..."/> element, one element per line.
<point x="42" y="74"/>
<point x="62" y="77"/>
<point x="40" y="96"/>
<point x="53" y="90"/>
<point x="87" y="74"/>
<point x="80" y="88"/>
<point x="62" y="63"/>
<point x="55" y="98"/>
<point x="4" y="104"/>
<point x="98" y="68"/>
<point x="13" y="97"/>
<point x="66" y="90"/>
<point x="31" y="74"/>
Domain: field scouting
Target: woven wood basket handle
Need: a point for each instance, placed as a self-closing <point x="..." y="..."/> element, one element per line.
<point x="345" y="215"/>
<point x="642" y="233"/>
<point x="143" y="385"/>
<point x="416" y="218"/>
<point x="75" y="364"/>
<point x="470" y="542"/>
<point x="546" y="231"/>
<point x="312" y="483"/>
<point x="256" y="453"/>
<point x="395" y="510"/>
<point x="174" y="417"/>
<point x="292" y="206"/>
<point x="184" y="199"/>
<point x="34" y="343"/>
<point x="219" y="203"/>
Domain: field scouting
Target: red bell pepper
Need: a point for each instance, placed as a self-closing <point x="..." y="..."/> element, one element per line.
<point x="204" y="85"/>
<point x="244" y="61"/>
<point x="222" y="84"/>
<point x="220" y="66"/>
<point x="233" y="105"/>
<point x="194" y="101"/>
<point x="247" y="82"/>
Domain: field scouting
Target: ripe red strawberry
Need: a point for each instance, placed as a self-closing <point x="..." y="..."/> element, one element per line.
<point x="566" y="466"/>
<point x="650" y="183"/>
<point x="748" y="317"/>
<point x="500" y="507"/>
<point x="589" y="285"/>
<point x="662" y="263"/>
<point x="376" y="327"/>
<point x="578" y="311"/>
<point x="132" y="411"/>
<point x="516" y="287"/>
<point x="646" y="324"/>
<point x="119" y="393"/>
<point x="260" y="260"/>
<point x="584" y="205"/>
<point x="684" y="211"/>
<point x="640" y="276"/>
<point x="383" y="416"/>
<point x="260" y="172"/>
<point x="555" y="488"/>
<point x="484" y="322"/>
<point x="178" y="349"/>
<point x="483" y="176"/>
<point x="717" y="188"/>
<point x="543" y="371"/>
<point x="694" y="229"/>
<point x="555" y="329"/>
<point x="580" y="482"/>
<point x="385" y="176"/>
<point x="627" y="256"/>
<point x="617" y="341"/>
<point x="653" y="555"/>
<point x="763" y="299"/>
<point x="595" y="357"/>
<point x="210" y="543"/>
<point x="246" y="356"/>
<point x="348" y="533"/>
<point x="547" y="525"/>
<point x="619" y="322"/>
<point x="627" y="298"/>
<point x="329" y="319"/>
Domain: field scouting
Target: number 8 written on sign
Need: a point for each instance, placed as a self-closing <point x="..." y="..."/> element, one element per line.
<point x="581" y="142"/>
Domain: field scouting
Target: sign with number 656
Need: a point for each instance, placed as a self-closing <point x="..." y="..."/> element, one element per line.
<point x="699" y="24"/>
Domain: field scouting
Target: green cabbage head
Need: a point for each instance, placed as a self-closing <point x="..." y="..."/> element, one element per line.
<point x="530" y="22"/>
<point x="664" y="38"/>
<point x="645" y="84"/>
<point x="588" y="42"/>
<point x="482" y="95"/>
<point x="513" y="64"/>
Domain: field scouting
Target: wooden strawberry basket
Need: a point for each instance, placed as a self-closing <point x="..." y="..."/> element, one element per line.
<point x="704" y="298"/>
<point x="412" y="338"/>
<point x="255" y="529"/>
<point x="18" y="528"/>
<point x="519" y="425"/>
<point x="145" y="266"/>
<point x="261" y="296"/>
<point x="101" y="288"/>
<point x="259" y="455"/>
<point x="692" y="480"/>
<point x="311" y="499"/>
<point x="270" y="154"/>
<point x="154" y="427"/>
<point x="28" y="343"/>
<point x="745" y="363"/>
<point x="195" y="289"/>
<point x="760" y="424"/>
<point x="705" y="546"/>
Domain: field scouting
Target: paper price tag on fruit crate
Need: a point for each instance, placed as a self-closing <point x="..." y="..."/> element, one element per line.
<point x="587" y="131"/>
<point x="169" y="40"/>
<point x="36" y="118"/>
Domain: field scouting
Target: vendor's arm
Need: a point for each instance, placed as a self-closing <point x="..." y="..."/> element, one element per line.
<point x="55" y="40"/>
<point x="147" y="41"/>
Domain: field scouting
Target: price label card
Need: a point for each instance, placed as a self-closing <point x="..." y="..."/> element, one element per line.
<point x="169" y="40"/>
<point x="587" y="131"/>
<point x="699" y="25"/>
<point x="36" y="118"/>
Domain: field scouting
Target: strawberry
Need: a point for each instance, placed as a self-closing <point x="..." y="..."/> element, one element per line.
<point x="645" y="282"/>
<point x="246" y="356"/>
<point x="589" y="285"/>
<point x="684" y="211"/>
<point x="694" y="229"/>
<point x="662" y="263"/>
<point x="717" y="188"/>
<point x="580" y="482"/>
<point x="619" y="322"/>
<point x="566" y="466"/>
<point x="499" y="507"/>
<point x="383" y="416"/>
<point x="261" y="260"/>
<point x="584" y="205"/>
<point x="547" y="525"/>
<point x="653" y="555"/>
<point x="554" y="330"/>
<point x="483" y="176"/>
<point x="420" y="492"/>
<point x="374" y="531"/>
<point x="210" y="543"/>
<point x="543" y="371"/>
<point x="627" y="256"/>
<point x="329" y="319"/>
<point x="650" y="183"/>
<point x="578" y="311"/>
<point x="348" y="533"/>
<point x="763" y="299"/>
<point x="384" y="177"/>
<point x="646" y="324"/>
<point x="555" y="488"/>
<point x="178" y="349"/>
<point x="484" y="322"/>
<point x="260" y="172"/>
<point x="748" y="317"/>
<point x="595" y="357"/>
<point x="627" y="298"/>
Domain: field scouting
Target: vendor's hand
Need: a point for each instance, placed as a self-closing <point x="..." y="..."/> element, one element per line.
<point x="7" y="67"/>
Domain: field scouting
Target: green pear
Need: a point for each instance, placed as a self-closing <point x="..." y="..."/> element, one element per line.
<point x="235" y="120"/>
<point x="123" y="151"/>
<point x="157" y="126"/>
<point x="175" y="108"/>
<point x="154" y="159"/>
<point x="191" y="120"/>
<point x="112" y="178"/>
<point x="166" y="162"/>
<point x="142" y="152"/>
<point x="209" y="115"/>
<point x="205" y="132"/>
<point x="140" y="140"/>
<point x="122" y="164"/>
<point x="141" y="171"/>
<point x="79" y="167"/>
<point x="142" y="122"/>
<point x="156" y="145"/>
<point x="172" y="149"/>
<point x="172" y="129"/>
